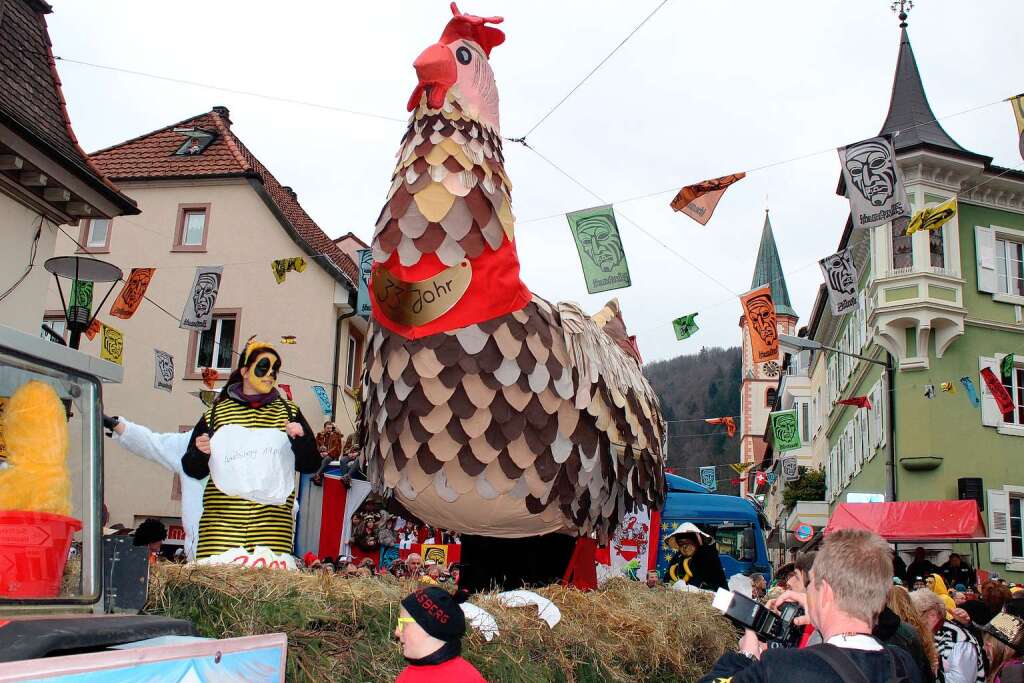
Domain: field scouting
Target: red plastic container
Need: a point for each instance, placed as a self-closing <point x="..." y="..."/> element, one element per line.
<point x="33" y="551"/>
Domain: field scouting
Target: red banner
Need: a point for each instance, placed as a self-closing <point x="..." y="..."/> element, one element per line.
<point x="1003" y="399"/>
<point x="333" y="518"/>
<point x="856" y="401"/>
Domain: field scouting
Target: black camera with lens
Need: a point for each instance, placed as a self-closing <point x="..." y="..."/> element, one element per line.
<point x="770" y="626"/>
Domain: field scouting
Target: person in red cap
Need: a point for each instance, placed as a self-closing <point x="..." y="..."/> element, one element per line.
<point x="430" y="628"/>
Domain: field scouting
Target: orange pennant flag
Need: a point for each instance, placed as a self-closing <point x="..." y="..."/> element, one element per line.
<point x="759" y="310"/>
<point x="94" y="328"/>
<point x="127" y="302"/>
<point x="730" y="424"/>
<point x="699" y="201"/>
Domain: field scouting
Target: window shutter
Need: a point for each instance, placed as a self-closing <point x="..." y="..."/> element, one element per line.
<point x="855" y="441"/>
<point x="880" y="417"/>
<point x="882" y="408"/>
<point x="990" y="416"/>
<point x="849" y="456"/>
<point x="861" y="437"/>
<point x="985" y="248"/>
<point x="828" y="476"/>
<point x="865" y="436"/>
<point x="872" y="428"/>
<point x="999" y="525"/>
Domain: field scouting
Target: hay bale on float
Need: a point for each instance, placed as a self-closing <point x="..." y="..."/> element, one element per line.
<point x="340" y="628"/>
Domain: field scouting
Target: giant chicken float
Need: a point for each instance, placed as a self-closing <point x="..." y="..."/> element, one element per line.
<point x="522" y="424"/>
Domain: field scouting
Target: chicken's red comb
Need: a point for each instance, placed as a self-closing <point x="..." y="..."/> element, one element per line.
<point x="474" y="28"/>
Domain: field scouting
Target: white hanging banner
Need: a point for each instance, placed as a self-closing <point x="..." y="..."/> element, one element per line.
<point x="790" y="469"/>
<point x="841" y="281"/>
<point x="202" y="297"/>
<point x="873" y="183"/>
<point x="163" y="373"/>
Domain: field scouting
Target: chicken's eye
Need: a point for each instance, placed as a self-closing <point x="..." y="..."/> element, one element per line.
<point x="464" y="55"/>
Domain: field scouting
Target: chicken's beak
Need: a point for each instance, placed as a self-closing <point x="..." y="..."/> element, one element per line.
<point x="437" y="72"/>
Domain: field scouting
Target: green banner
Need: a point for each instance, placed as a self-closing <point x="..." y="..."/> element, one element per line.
<point x="81" y="295"/>
<point x="600" y="248"/>
<point x="685" y="327"/>
<point x="1006" y="368"/>
<point x="785" y="430"/>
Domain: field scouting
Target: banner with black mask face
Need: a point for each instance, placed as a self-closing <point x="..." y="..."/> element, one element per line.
<point x="841" y="281"/>
<point x="163" y="375"/>
<point x="873" y="183"/>
<point x="198" y="313"/>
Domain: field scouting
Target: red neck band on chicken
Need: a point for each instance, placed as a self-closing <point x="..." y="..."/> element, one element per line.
<point x="429" y="298"/>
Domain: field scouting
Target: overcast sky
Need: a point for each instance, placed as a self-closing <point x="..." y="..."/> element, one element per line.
<point x="703" y="90"/>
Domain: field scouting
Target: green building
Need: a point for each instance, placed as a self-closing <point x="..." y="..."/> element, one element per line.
<point x="939" y="306"/>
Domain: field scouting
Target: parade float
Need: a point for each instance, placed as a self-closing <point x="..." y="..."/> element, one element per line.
<point x="526" y="426"/>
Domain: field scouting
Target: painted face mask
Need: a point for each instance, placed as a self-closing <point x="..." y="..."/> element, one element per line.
<point x="263" y="372"/>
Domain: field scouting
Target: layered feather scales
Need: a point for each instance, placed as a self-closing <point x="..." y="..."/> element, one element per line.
<point x="532" y="422"/>
<point x="449" y="192"/>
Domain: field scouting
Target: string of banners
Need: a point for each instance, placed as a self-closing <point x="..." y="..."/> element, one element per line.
<point x="197" y="315"/>
<point x="874" y="188"/>
<point x="994" y="387"/>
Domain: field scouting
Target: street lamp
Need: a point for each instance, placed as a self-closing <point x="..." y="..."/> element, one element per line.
<point x="798" y="344"/>
<point x="83" y="273"/>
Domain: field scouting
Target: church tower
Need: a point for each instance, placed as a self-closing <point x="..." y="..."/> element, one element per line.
<point x="760" y="380"/>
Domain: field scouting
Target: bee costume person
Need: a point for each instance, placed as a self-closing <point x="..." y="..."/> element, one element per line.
<point x="249" y="399"/>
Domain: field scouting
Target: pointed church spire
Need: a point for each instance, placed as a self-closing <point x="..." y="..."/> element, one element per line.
<point x="909" y="112"/>
<point x="768" y="270"/>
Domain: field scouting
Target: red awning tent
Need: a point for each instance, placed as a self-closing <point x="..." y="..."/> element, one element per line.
<point x="918" y="521"/>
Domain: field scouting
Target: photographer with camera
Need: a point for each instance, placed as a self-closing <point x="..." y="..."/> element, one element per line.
<point x="846" y="592"/>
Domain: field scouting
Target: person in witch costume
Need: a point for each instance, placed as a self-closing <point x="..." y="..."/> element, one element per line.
<point x="696" y="560"/>
<point x="249" y="399"/>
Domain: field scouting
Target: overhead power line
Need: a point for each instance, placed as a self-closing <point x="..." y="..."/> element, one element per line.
<point x="234" y="91"/>
<point x="595" y="69"/>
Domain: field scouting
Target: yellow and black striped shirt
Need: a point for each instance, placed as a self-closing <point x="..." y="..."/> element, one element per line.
<point x="228" y="521"/>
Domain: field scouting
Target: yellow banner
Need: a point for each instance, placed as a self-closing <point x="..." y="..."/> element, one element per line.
<point x="436" y="553"/>
<point x="1018" y="113"/>
<point x="933" y="218"/>
<point x="112" y="347"/>
<point x="741" y="467"/>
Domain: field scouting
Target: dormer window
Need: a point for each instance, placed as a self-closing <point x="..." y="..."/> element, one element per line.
<point x="196" y="140"/>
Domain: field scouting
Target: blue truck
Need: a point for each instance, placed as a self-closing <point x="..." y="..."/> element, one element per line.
<point x="736" y="524"/>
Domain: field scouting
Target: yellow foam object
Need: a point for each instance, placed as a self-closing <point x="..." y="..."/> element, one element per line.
<point x="36" y="431"/>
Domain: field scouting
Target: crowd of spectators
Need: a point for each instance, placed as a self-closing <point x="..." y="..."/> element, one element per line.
<point x="428" y="573"/>
<point x="861" y="622"/>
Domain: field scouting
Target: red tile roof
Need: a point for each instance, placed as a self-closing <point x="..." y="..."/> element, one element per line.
<point x="351" y="244"/>
<point x="31" y="100"/>
<point x="152" y="156"/>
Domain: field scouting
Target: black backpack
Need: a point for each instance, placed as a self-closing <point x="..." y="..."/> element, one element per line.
<point x="847" y="669"/>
